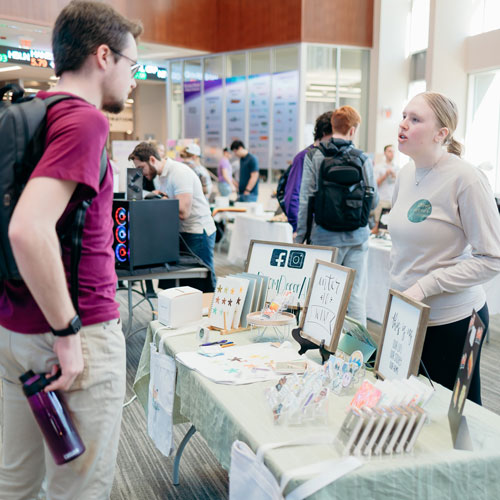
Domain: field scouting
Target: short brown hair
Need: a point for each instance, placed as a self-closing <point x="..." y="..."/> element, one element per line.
<point x="344" y="118"/>
<point x="144" y="151"/>
<point x="81" y="27"/>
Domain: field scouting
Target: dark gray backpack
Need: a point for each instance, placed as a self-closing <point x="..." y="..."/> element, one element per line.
<point x="22" y="139"/>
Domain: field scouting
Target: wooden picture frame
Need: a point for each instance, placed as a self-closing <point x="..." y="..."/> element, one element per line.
<point x="321" y="298"/>
<point x="309" y="253"/>
<point x="404" y="318"/>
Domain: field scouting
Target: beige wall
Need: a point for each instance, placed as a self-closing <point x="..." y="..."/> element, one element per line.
<point x="150" y="106"/>
<point x="481" y="52"/>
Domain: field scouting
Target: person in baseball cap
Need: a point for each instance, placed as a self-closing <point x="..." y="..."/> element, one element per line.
<point x="191" y="156"/>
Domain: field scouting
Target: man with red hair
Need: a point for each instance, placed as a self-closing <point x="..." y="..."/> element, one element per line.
<point x="352" y="244"/>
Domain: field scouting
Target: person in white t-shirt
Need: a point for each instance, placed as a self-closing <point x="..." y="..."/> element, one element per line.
<point x="385" y="173"/>
<point x="445" y="231"/>
<point x="173" y="179"/>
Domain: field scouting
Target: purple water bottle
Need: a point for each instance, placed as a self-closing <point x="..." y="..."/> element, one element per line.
<point x="58" y="430"/>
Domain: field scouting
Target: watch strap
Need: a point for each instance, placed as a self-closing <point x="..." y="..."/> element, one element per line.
<point x="74" y="327"/>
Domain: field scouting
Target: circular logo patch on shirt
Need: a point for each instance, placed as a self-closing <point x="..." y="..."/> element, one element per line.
<point x="419" y="211"/>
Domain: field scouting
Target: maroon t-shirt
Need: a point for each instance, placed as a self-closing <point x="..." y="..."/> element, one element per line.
<point x="76" y="135"/>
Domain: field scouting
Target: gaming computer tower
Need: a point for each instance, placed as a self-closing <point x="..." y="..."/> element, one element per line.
<point x="145" y="233"/>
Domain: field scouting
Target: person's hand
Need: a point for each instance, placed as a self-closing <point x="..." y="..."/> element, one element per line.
<point x="161" y="193"/>
<point x="69" y="353"/>
<point x="415" y="292"/>
<point x="391" y="173"/>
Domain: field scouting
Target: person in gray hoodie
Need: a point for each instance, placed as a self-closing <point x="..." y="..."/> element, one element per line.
<point x="352" y="245"/>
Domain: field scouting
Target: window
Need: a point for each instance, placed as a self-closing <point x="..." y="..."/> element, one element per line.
<point x="260" y="62"/>
<point x="236" y="65"/>
<point x="483" y="133"/>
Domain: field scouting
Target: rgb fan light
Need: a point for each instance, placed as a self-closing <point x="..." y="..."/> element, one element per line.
<point x="121" y="252"/>
<point x="120" y="215"/>
<point x="121" y="234"/>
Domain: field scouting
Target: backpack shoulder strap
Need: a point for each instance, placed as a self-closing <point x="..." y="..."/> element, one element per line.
<point x="103" y="165"/>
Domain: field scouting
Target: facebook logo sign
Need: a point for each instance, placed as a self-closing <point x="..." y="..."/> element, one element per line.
<point x="278" y="257"/>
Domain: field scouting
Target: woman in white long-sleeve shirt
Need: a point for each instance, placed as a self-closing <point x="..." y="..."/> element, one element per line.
<point x="445" y="231"/>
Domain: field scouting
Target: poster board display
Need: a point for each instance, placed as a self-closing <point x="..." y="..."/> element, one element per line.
<point x="285" y="87"/>
<point x="458" y="425"/>
<point x="235" y="109"/>
<point x="213" y="122"/>
<point x="289" y="266"/>
<point x="259" y="97"/>
<point x="326" y="304"/>
<point x="403" y="335"/>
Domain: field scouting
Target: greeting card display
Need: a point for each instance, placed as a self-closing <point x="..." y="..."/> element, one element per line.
<point x="227" y="304"/>
<point x="458" y="424"/>
<point x="326" y="304"/>
<point x="403" y="335"/>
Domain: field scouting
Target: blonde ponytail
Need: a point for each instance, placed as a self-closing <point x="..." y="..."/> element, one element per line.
<point x="454" y="147"/>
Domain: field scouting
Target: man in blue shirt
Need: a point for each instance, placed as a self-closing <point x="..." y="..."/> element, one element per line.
<point x="248" y="188"/>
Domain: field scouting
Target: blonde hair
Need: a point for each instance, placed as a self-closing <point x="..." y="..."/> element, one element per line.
<point x="446" y="113"/>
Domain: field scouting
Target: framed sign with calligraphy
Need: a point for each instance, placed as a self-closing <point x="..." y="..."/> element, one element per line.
<point x="289" y="266"/>
<point x="326" y="303"/>
<point x="403" y="335"/>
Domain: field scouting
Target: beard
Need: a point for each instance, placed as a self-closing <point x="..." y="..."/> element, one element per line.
<point x="113" y="106"/>
<point x="153" y="172"/>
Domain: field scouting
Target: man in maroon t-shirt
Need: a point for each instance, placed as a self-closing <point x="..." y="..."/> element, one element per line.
<point x="95" y="57"/>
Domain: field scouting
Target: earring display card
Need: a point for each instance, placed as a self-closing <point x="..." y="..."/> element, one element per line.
<point x="381" y="419"/>
<point x="350" y="430"/>
<point x="373" y="431"/>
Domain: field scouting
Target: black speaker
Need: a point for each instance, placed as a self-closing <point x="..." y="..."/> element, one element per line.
<point x="145" y="233"/>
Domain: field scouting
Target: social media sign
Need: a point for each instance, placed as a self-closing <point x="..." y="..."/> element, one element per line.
<point x="288" y="266"/>
<point x="278" y="257"/>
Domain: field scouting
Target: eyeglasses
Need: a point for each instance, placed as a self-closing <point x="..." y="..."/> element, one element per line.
<point x="134" y="67"/>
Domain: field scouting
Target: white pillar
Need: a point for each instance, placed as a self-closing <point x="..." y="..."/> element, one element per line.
<point x="445" y="72"/>
<point x="389" y="72"/>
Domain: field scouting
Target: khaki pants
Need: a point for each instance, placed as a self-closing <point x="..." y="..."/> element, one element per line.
<point x="95" y="403"/>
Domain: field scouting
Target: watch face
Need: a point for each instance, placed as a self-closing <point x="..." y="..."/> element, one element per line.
<point x="76" y="323"/>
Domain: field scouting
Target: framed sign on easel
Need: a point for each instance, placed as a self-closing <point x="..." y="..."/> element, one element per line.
<point x="326" y="304"/>
<point x="458" y="424"/>
<point x="403" y="335"/>
<point x="289" y="266"/>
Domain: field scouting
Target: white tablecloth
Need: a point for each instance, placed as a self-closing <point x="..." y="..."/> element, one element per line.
<point x="378" y="282"/>
<point x="249" y="227"/>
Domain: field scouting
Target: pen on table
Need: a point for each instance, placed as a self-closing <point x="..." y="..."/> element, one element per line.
<point x="214" y="343"/>
<point x="228" y="344"/>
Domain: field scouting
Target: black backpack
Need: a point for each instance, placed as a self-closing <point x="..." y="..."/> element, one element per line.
<point x="280" y="189"/>
<point x="343" y="199"/>
<point x="22" y="139"/>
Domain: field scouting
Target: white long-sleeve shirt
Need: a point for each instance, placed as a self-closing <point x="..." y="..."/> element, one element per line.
<point x="445" y="235"/>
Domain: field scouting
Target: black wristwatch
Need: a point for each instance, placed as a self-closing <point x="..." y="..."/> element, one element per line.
<point x="74" y="327"/>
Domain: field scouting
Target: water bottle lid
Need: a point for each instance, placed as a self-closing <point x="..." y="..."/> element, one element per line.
<point x="26" y="376"/>
<point x="38" y="384"/>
